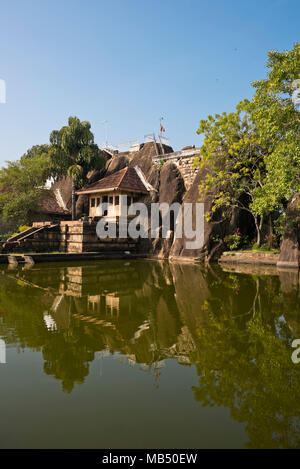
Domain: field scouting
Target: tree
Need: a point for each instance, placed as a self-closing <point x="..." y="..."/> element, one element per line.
<point x="22" y="185"/>
<point x="277" y="120"/>
<point x="36" y="150"/>
<point x="235" y="158"/>
<point x="253" y="154"/>
<point x="73" y="153"/>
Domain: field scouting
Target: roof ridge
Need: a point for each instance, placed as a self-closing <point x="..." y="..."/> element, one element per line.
<point x="126" y="178"/>
<point x="123" y="175"/>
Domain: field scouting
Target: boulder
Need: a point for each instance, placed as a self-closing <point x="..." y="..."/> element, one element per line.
<point x="115" y="164"/>
<point x="215" y="230"/>
<point x="144" y="160"/>
<point x="64" y="186"/>
<point x="171" y="190"/>
<point x="172" y="186"/>
<point x="290" y="247"/>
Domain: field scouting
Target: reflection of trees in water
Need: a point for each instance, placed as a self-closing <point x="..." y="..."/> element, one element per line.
<point x="244" y="358"/>
<point x="250" y="371"/>
<point x="235" y="328"/>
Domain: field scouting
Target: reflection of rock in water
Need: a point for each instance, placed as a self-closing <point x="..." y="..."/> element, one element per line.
<point x="191" y="290"/>
<point x="236" y="327"/>
<point x="290" y="286"/>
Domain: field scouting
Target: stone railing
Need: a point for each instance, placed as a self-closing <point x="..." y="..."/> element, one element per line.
<point x="184" y="160"/>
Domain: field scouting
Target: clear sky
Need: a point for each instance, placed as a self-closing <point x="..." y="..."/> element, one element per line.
<point x="130" y="62"/>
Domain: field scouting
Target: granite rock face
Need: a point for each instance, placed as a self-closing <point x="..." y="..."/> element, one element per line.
<point x="290" y="247"/>
<point x="115" y="164"/>
<point x="172" y="186"/>
<point x="214" y="230"/>
<point x="143" y="159"/>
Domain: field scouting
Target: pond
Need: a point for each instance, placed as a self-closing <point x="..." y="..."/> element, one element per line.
<point x="148" y="354"/>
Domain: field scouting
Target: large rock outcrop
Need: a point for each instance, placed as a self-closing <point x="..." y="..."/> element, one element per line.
<point x="115" y="164"/>
<point x="214" y="230"/>
<point x="143" y="159"/>
<point x="290" y="247"/>
<point x="171" y="190"/>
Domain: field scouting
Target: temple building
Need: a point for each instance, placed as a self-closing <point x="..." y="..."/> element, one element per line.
<point x="105" y="195"/>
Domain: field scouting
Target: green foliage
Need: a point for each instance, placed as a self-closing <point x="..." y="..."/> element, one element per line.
<point x="271" y="241"/>
<point x="244" y="361"/>
<point x="279" y="226"/>
<point x="73" y="152"/>
<point x="235" y="160"/>
<point x="236" y="240"/>
<point x="23" y="228"/>
<point x="22" y="185"/>
<point x="253" y="154"/>
<point x="20" y="230"/>
<point x="5" y="236"/>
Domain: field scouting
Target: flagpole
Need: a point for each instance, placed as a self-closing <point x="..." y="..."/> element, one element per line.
<point x="160" y="134"/>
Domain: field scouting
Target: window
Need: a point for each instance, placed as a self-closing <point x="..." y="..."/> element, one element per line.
<point x="105" y="199"/>
<point x="92" y="202"/>
<point x="111" y="200"/>
<point x="98" y="201"/>
<point x="117" y="200"/>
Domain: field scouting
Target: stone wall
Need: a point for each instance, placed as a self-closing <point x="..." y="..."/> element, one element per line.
<point x="46" y="240"/>
<point x="184" y="160"/>
<point x="80" y="236"/>
<point x="70" y="237"/>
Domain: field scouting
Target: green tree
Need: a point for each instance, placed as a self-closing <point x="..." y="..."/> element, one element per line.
<point x="36" y="150"/>
<point x="253" y="154"/>
<point x="235" y="159"/>
<point x="73" y="153"/>
<point x="277" y="121"/>
<point x="22" y="185"/>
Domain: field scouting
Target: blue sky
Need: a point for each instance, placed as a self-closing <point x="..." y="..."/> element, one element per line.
<point x="130" y="62"/>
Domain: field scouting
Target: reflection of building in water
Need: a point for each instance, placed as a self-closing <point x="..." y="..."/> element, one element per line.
<point x="137" y="320"/>
<point x="115" y="307"/>
<point x="50" y="323"/>
<point x="110" y="303"/>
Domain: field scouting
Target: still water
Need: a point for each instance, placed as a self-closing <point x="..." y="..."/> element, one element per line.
<point x="148" y="354"/>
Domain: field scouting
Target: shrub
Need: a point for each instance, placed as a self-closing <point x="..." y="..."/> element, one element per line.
<point x="23" y="228"/>
<point x="271" y="241"/>
<point x="5" y="236"/>
<point x="263" y="247"/>
<point x="233" y="241"/>
<point x="236" y="240"/>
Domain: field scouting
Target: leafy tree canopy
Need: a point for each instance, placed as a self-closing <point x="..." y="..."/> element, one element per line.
<point x="73" y="153"/>
<point x="253" y="153"/>
<point x="22" y="185"/>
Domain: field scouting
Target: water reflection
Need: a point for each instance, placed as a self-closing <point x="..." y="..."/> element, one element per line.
<point x="234" y="326"/>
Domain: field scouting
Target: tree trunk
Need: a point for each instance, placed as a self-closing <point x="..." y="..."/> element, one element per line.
<point x="73" y="201"/>
<point x="258" y="227"/>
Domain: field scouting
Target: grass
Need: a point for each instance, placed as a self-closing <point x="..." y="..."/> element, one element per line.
<point x="267" y="251"/>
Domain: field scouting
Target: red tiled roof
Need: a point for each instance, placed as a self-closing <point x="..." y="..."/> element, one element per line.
<point x="125" y="179"/>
